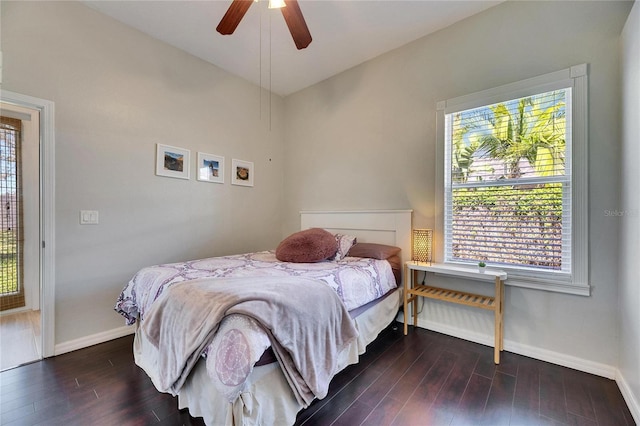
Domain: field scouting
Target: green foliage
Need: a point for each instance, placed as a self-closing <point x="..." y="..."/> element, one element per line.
<point x="534" y="130"/>
<point x="8" y="262"/>
<point x="463" y="154"/>
<point x="8" y="242"/>
<point x="500" y="219"/>
<point x="539" y="201"/>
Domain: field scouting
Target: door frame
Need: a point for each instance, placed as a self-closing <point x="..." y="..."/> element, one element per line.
<point x="47" y="212"/>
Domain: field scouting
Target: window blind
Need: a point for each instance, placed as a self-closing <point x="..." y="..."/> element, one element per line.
<point x="508" y="185"/>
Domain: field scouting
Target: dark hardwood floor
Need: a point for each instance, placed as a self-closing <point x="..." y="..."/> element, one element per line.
<point x="424" y="379"/>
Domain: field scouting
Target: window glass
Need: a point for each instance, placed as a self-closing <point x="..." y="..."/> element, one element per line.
<point x="508" y="186"/>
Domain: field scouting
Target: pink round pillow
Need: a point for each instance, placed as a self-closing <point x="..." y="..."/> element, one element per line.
<point x="308" y="246"/>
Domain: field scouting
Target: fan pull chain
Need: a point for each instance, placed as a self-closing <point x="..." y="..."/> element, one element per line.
<point x="260" y="67"/>
<point x="270" y="74"/>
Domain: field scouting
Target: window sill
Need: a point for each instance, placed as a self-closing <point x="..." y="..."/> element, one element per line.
<point x="539" y="280"/>
<point x="549" y="285"/>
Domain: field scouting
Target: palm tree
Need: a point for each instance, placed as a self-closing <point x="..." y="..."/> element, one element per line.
<point x="463" y="153"/>
<point x="534" y="130"/>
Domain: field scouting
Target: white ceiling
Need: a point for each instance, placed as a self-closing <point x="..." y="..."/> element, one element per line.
<point x="345" y="33"/>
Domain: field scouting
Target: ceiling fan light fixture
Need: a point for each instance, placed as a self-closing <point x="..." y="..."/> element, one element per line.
<point x="276" y="4"/>
<point x="291" y="13"/>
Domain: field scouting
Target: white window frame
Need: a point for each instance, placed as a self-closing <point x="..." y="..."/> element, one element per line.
<point x="576" y="280"/>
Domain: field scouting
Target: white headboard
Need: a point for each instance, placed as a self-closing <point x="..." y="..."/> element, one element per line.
<point x="392" y="227"/>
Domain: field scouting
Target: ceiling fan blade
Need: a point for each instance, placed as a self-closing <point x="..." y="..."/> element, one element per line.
<point x="234" y="15"/>
<point x="296" y="23"/>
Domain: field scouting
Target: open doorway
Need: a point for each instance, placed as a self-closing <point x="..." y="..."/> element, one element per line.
<point x="20" y="335"/>
<point x="26" y="229"/>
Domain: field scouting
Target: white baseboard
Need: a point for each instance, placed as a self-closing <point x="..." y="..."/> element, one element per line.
<point x="93" y="339"/>
<point x="632" y="400"/>
<point x="557" y="358"/>
<point x="564" y="360"/>
<point x="16" y="311"/>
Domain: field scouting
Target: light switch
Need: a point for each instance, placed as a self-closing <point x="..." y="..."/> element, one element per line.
<point x="88" y="217"/>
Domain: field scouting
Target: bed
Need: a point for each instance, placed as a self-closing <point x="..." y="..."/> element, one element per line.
<point x="263" y="357"/>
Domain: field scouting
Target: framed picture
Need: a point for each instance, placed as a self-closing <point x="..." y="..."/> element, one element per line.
<point x="241" y="172"/>
<point x="210" y="168"/>
<point x="173" y="162"/>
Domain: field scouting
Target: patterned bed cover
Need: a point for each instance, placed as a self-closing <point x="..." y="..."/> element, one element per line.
<point x="240" y="341"/>
<point x="357" y="281"/>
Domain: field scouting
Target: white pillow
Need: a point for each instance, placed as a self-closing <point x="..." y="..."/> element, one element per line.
<point x="345" y="242"/>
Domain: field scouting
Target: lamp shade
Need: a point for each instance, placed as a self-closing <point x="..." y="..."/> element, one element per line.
<point x="422" y="239"/>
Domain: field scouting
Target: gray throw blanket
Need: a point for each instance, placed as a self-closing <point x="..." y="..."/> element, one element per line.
<point x="307" y="323"/>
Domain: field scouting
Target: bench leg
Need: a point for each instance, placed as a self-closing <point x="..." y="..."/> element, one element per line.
<point x="499" y="325"/>
<point x="405" y="298"/>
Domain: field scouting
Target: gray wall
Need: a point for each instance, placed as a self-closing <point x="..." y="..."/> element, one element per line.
<point x="363" y="139"/>
<point x="366" y="139"/>
<point x="629" y="363"/>
<point x="117" y="93"/>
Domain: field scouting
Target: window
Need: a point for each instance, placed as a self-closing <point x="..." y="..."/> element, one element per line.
<point x="11" y="282"/>
<point x="514" y="180"/>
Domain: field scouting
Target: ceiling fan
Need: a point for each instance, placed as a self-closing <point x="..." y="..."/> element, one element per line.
<point x="290" y="10"/>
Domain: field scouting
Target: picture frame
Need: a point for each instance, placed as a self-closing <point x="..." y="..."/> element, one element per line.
<point x="242" y="172"/>
<point x="173" y="162"/>
<point x="210" y="168"/>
